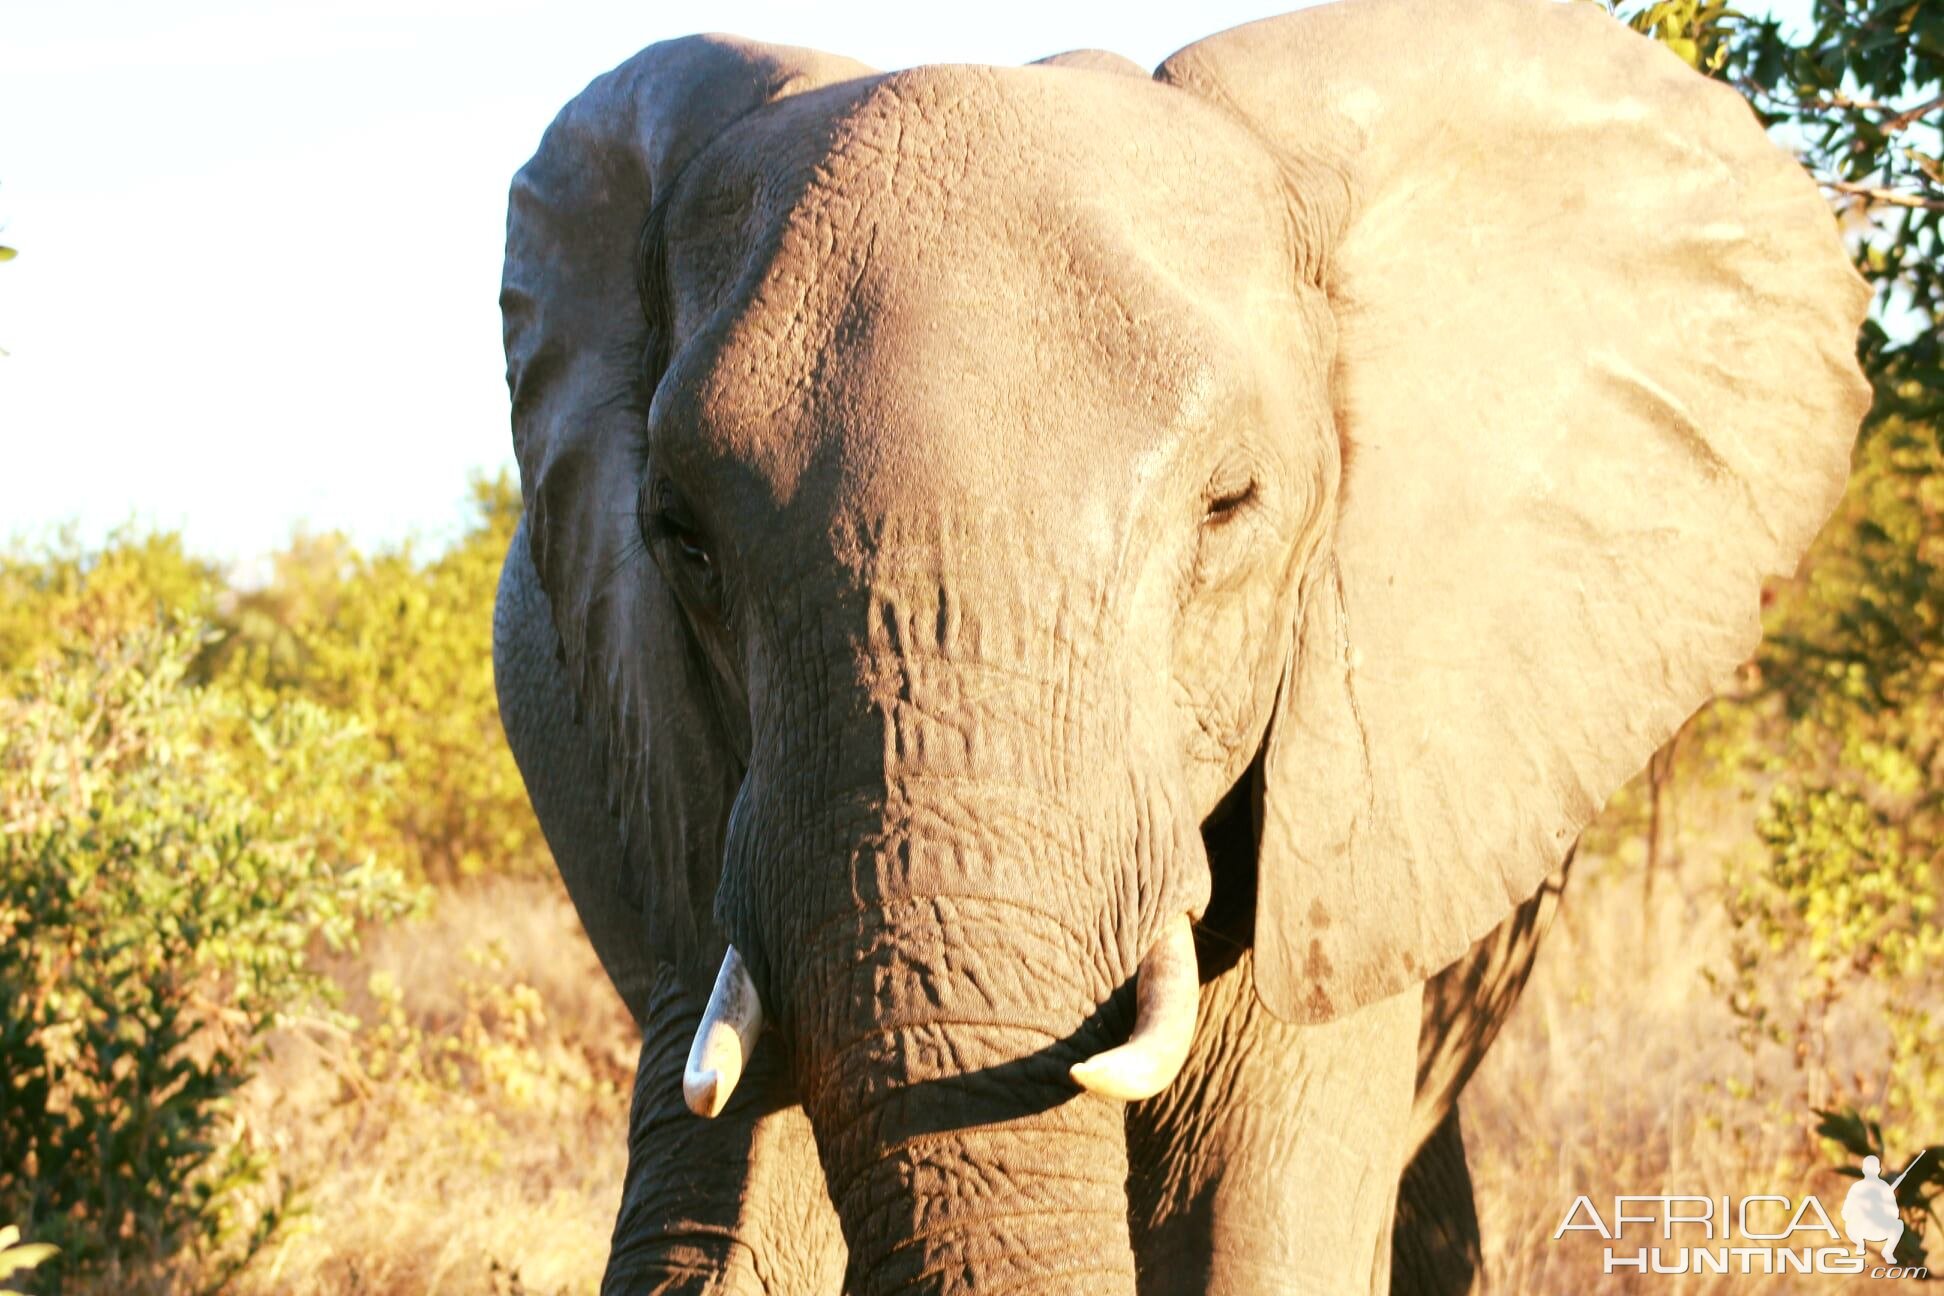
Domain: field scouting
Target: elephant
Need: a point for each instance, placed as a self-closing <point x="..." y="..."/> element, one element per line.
<point x="1067" y="621"/>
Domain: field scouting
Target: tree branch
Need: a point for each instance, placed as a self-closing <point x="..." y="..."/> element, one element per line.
<point x="1906" y="118"/>
<point x="1889" y="197"/>
<point x="1840" y="101"/>
<point x="1901" y="118"/>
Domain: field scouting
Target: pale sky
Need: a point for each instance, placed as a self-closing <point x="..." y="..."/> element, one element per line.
<point x="260" y="242"/>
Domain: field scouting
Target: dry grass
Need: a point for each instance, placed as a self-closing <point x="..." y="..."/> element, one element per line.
<point x="1620" y="1073"/>
<point x="471" y="1136"/>
<point x="474" y="1138"/>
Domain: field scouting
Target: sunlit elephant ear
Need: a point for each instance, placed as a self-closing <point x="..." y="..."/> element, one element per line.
<point x="1595" y="378"/>
<point x="576" y="343"/>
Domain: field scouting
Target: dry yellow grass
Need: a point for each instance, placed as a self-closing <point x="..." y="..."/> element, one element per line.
<point x="474" y="1138"/>
<point x="1614" y="1076"/>
<point x="471" y="1136"/>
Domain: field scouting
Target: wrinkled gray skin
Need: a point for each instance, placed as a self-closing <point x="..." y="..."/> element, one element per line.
<point x="975" y="516"/>
<point x="766" y="1196"/>
<point x="1193" y="1178"/>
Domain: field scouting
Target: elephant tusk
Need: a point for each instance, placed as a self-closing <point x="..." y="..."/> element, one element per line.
<point x="1167" y="990"/>
<point x="724" y="1039"/>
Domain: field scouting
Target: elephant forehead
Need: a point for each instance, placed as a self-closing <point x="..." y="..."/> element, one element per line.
<point x="970" y="278"/>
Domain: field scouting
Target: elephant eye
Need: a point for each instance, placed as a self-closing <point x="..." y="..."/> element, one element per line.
<point x="670" y="520"/>
<point x="1225" y="505"/>
<point x="690" y="547"/>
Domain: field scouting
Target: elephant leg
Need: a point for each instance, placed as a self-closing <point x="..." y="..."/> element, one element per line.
<point x="1435" y="1248"/>
<point x="733" y="1206"/>
<point x="1435" y="1242"/>
<point x="1467" y="1003"/>
<point x="1272" y="1163"/>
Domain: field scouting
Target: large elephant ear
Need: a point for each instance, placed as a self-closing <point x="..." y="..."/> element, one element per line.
<point x="1595" y="375"/>
<point x="576" y="342"/>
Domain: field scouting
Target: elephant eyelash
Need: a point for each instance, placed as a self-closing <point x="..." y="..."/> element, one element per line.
<point x="661" y="519"/>
<point x="667" y="518"/>
<point x="691" y="547"/>
<point x="1226" y="506"/>
<point x="634" y="550"/>
<point x="657" y="525"/>
<point x="1225" y="534"/>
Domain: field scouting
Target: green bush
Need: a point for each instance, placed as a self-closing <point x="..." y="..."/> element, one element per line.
<point x="402" y="647"/>
<point x="1847" y="757"/>
<point x="200" y="788"/>
<point x="64" y="595"/>
<point x="162" y="893"/>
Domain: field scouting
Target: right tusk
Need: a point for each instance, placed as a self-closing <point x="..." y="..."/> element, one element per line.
<point x="724" y="1039"/>
<point x="1167" y="990"/>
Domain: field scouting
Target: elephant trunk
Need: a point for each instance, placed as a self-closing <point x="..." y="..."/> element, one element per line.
<point x="934" y="1056"/>
<point x="942" y="892"/>
<point x="1032" y="1205"/>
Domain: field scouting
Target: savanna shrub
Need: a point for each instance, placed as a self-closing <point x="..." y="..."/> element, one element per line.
<point x="1849" y="884"/>
<point x="64" y="594"/>
<point x="162" y="891"/>
<point x="402" y="647"/>
<point x="1837" y="739"/>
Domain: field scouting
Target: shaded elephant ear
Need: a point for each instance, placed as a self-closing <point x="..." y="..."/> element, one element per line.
<point x="577" y="339"/>
<point x="1595" y="375"/>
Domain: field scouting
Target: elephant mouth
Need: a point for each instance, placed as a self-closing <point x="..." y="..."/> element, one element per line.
<point x="1166" y="991"/>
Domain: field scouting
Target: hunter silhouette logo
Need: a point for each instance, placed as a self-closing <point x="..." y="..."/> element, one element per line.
<point x="1870" y="1209"/>
<point x="1762" y="1233"/>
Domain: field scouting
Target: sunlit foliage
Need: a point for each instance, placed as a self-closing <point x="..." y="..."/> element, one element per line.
<point x="1843" y="742"/>
<point x="163" y="885"/>
<point x="20" y="1257"/>
<point x="62" y="597"/>
<point x="201" y="788"/>
<point x="403" y="647"/>
<point x="1837" y="741"/>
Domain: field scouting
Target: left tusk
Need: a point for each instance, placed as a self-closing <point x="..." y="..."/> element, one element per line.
<point x="724" y="1039"/>
<point x="1167" y="990"/>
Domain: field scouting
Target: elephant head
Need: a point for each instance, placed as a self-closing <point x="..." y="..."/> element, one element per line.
<point x="951" y="485"/>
